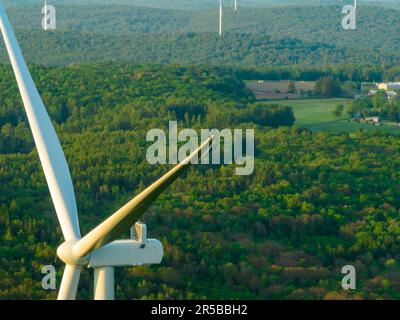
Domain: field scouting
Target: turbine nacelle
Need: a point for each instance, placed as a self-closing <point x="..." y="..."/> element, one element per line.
<point x="119" y="253"/>
<point x="123" y="253"/>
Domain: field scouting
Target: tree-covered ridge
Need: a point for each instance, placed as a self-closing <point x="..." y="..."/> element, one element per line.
<point x="377" y="28"/>
<point x="315" y="202"/>
<point x="309" y="35"/>
<point x="63" y="48"/>
<point x="198" y="4"/>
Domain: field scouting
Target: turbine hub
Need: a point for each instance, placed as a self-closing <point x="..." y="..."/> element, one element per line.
<point x="66" y="254"/>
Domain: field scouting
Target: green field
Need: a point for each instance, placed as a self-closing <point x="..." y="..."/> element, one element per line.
<point x="276" y="90"/>
<point x="317" y="115"/>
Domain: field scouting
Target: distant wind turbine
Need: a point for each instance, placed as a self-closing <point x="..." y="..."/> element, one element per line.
<point x="45" y="15"/>
<point x="100" y="249"/>
<point x="235" y="5"/>
<point x="355" y="10"/>
<point x="220" y="17"/>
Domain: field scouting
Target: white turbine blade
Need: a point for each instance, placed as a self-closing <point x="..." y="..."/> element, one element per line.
<point x="51" y="155"/>
<point x="69" y="283"/>
<point x="117" y="224"/>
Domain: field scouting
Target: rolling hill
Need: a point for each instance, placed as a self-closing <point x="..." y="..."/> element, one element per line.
<point x="269" y="36"/>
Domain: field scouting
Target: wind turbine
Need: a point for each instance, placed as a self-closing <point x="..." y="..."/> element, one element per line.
<point x="45" y="15"/>
<point x="355" y="10"/>
<point x="220" y="18"/>
<point x="99" y="249"/>
<point x="235" y="5"/>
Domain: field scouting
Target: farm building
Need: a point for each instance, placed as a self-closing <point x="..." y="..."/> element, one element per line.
<point x="372" y="120"/>
<point x="388" y="94"/>
<point x="389" y="86"/>
<point x="391" y="94"/>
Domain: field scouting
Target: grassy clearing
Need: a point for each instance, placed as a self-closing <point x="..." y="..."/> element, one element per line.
<point x="317" y="114"/>
<point x="276" y="90"/>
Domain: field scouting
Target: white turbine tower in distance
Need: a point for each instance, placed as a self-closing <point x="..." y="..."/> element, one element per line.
<point x="235" y="5"/>
<point x="355" y="10"/>
<point x="220" y="18"/>
<point x="45" y="15"/>
<point x="99" y="249"/>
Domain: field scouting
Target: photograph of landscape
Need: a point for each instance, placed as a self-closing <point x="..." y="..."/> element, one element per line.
<point x="301" y="98"/>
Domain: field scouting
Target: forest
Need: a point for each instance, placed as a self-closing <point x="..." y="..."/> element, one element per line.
<point x="316" y="201"/>
<point x="203" y="4"/>
<point x="64" y="48"/>
<point x="300" y="35"/>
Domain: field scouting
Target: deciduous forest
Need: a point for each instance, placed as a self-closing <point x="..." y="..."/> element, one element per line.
<point x="316" y="201"/>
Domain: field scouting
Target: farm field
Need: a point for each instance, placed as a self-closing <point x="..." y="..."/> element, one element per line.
<point x="317" y="114"/>
<point x="275" y="90"/>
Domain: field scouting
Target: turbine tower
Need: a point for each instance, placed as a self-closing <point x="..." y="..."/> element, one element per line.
<point x="355" y="10"/>
<point x="100" y="248"/>
<point x="220" y="18"/>
<point x="45" y="15"/>
<point x="235" y="5"/>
